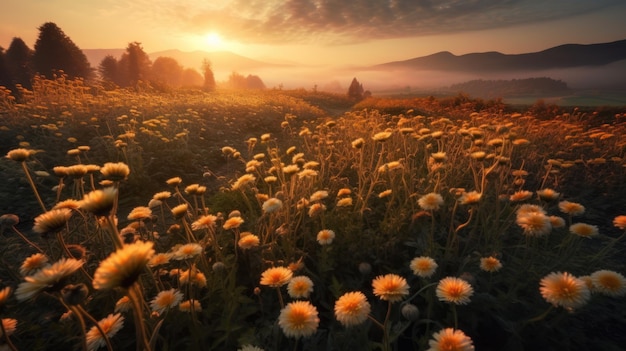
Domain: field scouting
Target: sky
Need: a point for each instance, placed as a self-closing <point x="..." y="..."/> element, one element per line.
<point x="321" y="32"/>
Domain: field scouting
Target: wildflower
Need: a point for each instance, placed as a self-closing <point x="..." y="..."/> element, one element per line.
<point x="548" y="194"/>
<point x="99" y="202"/>
<point x="358" y="143"/>
<point x="344" y="192"/>
<point x="52" y="221"/>
<point x="390" y="287"/>
<point x="243" y="181"/>
<point x="248" y="241"/>
<point x="272" y="205"/>
<point x="190" y="306"/>
<point x="352" y="309"/>
<point x="410" y="311"/>
<point x="20" y="155"/>
<point x="187" y="251"/>
<point x="265" y="137"/>
<point x="249" y="347"/>
<point x="534" y="223"/>
<point x="270" y="179"/>
<point x="449" y="339"/>
<point x="490" y="264"/>
<point x="521" y="195"/>
<point x="454" y="290"/>
<point x="439" y="156"/>
<point x="233" y="222"/>
<point x="115" y="171"/>
<point x="571" y="208"/>
<point x="470" y="198"/>
<point x="204" y="222"/>
<point x="381" y="136"/>
<point x="9" y="325"/>
<point x="123" y="304"/>
<point x="299" y="319"/>
<point x="609" y="283"/>
<point x="159" y="259"/>
<point x="620" y="222"/>
<point x="384" y="193"/>
<point x="478" y="155"/>
<point x="123" y="267"/>
<point x="165" y="300"/>
<point x="291" y="169"/>
<point x="584" y="230"/>
<point x="423" y="266"/>
<point x="4" y="295"/>
<point x="325" y="237"/>
<point x="430" y="202"/>
<point x="110" y="325"/>
<point x="180" y="211"/>
<point x="563" y="289"/>
<point x="316" y="210"/>
<point x="162" y="196"/>
<point x="390" y="166"/>
<point x="345" y="202"/>
<point x="557" y="222"/>
<point x="140" y="213"/>
<point x="276" y="277"/>
<point x="318" y="196"/>
<point x="48" y="278"/>
<point x="174" y="181"/>
<point x="300" y="287"/>
<point x="33" y="263"/>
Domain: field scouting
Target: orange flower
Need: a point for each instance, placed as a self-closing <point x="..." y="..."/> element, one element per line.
<point x="299" y="319"/>
<point x="450" y="340"/>
<point x="490" y="264"/>
<point x="276" y="276"/>
<point x="563" y="289"/>
<point x="390" y="287"/>
<point x="454" y="290"/>
<point x="423" y="266"/>
<point x="352" y="308"/>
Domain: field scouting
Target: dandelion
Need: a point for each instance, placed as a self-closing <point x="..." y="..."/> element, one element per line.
<point x="99" y="202"/>
<point x="584" y="230"/>
<point x="563" y="289"/>
<point x="318" y="196"/>
<point x="534" y="223"/>
<point x="571" y="208"/>
<point x="179" y="211"/>
<point x="450" y="339"/>
<point x="454" y="290"/>
<point x="316" y="210"/>
<point x="609" y="283"/>
<point x="291" y="169"/>
<point x="187" y="251"/>
<point x="270" y="179"/>
<point x="233" y="222"/>
<point x="439" y="156"/>
<point x="300" y="287"/>
<point x="166" y="300"/>
<point x="33" y="263"/>
<point x="49" y="278"/>
<point x="162" y="196"/>
<point x="248" y="241"/>
<point x="390" y="287"/>
<point x="190" y="305"/>
<point x="52" y="221"/>
<point x="70" y="204"/>
<point x="548" y="194"/>
<point x="352" y="309"/>
<point x="272" y="205"/>
<point x="123" y="267"/>
<point x="4" y="295"/>
<point x="521" y="195"/>
<point x="110" y="325"/>
<point x="115" y="171"/>
<point x="243" y="181"/>
<point x="557" y="222"/>
<point x="345" y="202"/>
<point x="325" y="237"/>
<point x="8" y="325"/>
<point x="381" y="136"/>
<point x="490" y="264"/>
<point x="358" y="143"/>
<point x="204" y="222"/>
<point x="423" y="266"/>
<point x="384" y="193"/>
<point x="620" y="222"/>
<point x="390" y="166"/>
<point x="276" y="277"/>
<point x="478" y="155"/>
<point x="344" y="192"/>
<point x="20" y="155"/>
<point x="174" y="181"/>
<point x="140" y="213"/>
<point x="159" y="259"/>
<point x="430" y="202"/>
<point x="298" y="319"/>
<point x="470" y="198"/>
<point x="123" y="304"/>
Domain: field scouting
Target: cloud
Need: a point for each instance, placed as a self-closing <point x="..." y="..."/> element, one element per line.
<point x="328" y="22"/>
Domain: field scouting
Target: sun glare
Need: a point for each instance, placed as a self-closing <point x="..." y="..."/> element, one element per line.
<point x="213" y="40"/>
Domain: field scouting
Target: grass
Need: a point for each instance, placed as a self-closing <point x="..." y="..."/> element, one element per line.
<point x="224" y="186"/>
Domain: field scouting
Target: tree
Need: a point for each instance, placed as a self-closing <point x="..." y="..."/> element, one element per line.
<point x="108" y="70"/>
<point x="254" y="82"/>
<point x="355" y="91"/>
<point x="191" y="78"/>
<point x="55" y="51"/>
<point x="134" y="65"/>
<point x="5" y="77"/>
<point x="166" y="72"/>
<point x="209" y="77"/>
<point x="237" y="81"/>
<point x="18" y="62"/>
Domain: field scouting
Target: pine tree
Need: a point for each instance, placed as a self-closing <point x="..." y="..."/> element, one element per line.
<point x="209" y="77"/>
<point x="134" y="65"/>
<point x="18" y="62"/>
<point x="355" y="91"/>
<point x="55" y="51"/>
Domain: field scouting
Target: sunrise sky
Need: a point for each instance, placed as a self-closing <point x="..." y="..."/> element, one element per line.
<point x="323" y="32"/>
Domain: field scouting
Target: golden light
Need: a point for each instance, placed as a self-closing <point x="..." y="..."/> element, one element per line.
<point x="213" y="40"/>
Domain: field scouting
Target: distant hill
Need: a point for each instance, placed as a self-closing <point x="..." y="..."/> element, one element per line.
<point x="563" y="56"/>
<point x="221" y="60"/>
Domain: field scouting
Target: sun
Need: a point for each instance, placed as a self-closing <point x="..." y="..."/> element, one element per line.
<point x="213" y="40"/>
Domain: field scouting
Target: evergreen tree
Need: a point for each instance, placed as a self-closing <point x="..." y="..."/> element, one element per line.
<point x="55" y="51"/>
<point x="5" y="77"/>
<point x="134" y="65"/>
<point x="18" y="57"/>
<point x="209" y="77"/>
<point x="108" y="70"/>
<point x="355" y="91"/>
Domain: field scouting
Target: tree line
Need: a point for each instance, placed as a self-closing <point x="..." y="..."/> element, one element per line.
<point x="55" y="53"/>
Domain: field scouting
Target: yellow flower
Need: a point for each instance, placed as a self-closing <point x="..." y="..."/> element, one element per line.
<point x="316" y="209"/>
<point x="50" y="278"/>
<point x="352" y="309"/>
<point x="358" y="143"/>
<point x="609" y="283"/>
<point x="175" y="181"/>
<point x="123" y="267"/>
<point x="110" y="325"/>
<point x="20" y="155"/>
<point x="207" y="221"/>
<point x="384" y="193"/>
<point x="186" y="251"/>
<point x="123" y="304"/>
<point x="454" y="290"/>
<point x="300" y="287"/>
<point x="276" y="276"/>
<point x="584" y="230"/>
<point x="243" y="181"/>
<point x="115" y="171"/>
<point x="139" y="213"/>
<point x="430" y="202"/>
<point x="521" y="195"/>
<point x="325" y="237"/>
<point x="318" y="196"/>
<point x="248" y="241"/>
<point x="33" y="263"/>
<point x="563" y="289"/>
<point x="449" y="339"/>
<point x="4" y="295"/>
<point x="571" y="208"/>
<point x="534" y="223"/>
<point x="344" y="192"/>
<point x="423" y="266"/>
<point x="272" y="205"/>
<point x="99" y="202"/>
<point x="469" y="198"/>
<point x="159" y="259"/>
<point x="490" y="264"/>
<point x="179" y="211"/>
<point x="161" y="196"/>
<point x="299" y="319"/>
<point x="233" y="222"/>
<point x="165" y="300"/>
<point x="52" y="221"/>
<point x="344" y="202"/>
<point x="190" y="306"/>
<point x="548" y="194"/>
<point x="390" y="287"/>
<point x="620" y="222"/>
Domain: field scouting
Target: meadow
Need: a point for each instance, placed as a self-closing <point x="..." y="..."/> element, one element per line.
<point x="296" y="220"/>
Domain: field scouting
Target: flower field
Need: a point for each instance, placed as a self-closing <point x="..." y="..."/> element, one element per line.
<point x="280" y="220"/>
